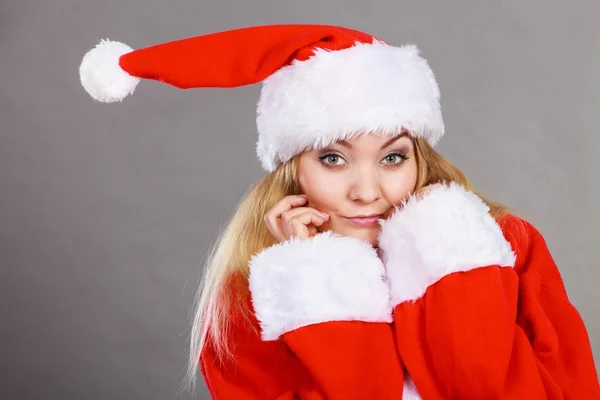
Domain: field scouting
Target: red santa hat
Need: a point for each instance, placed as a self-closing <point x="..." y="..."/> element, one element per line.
<point x="320" y="83"/>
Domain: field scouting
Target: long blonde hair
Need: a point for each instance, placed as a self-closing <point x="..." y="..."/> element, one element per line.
<point x="246" y="234"/>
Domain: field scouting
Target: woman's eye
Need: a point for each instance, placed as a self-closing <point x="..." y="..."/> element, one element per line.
<point x="332" y="159"/>
<point x="395" y="158"/>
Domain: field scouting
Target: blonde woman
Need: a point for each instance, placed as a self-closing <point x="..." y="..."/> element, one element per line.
<point x="363" y="265"/>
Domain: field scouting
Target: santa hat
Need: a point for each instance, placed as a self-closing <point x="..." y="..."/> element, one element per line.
<point x="320" y="83"/>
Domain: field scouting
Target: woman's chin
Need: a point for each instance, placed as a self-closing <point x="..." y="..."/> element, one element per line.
<point x="369" y="235"/>
<point x="372" y="238"/>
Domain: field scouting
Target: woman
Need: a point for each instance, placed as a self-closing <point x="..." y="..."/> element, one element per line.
<point x="363" y="266"/>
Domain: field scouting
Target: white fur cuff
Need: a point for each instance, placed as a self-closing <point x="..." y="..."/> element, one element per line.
<point x="449" y="230"/>
<point x="325" y="278"/>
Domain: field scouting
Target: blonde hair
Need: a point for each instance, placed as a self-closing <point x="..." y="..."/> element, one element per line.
<point x="246" y="234"/>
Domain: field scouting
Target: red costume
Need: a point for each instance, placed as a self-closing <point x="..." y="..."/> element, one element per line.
<point x="461" y="307"/>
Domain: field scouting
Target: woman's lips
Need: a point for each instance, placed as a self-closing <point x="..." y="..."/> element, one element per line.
<point x="365" y="220"/>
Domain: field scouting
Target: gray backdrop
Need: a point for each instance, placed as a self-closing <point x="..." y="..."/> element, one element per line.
<point x="107" y="211"/>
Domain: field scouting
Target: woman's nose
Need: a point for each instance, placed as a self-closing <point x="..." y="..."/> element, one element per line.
<point x="365" y="187"/>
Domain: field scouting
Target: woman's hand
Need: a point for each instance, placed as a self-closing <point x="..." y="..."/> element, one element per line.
<point x="288" y="219"/>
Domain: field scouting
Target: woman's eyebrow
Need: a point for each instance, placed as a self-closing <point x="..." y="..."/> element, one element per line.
<point x="386" y="144"/>
<point x="345" y="144"/>
<point x="392" y="140"/>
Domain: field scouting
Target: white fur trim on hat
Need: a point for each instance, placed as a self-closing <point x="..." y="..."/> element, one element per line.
<point x="101" y="75"/>
<point x="325" y="278"/>
<point x="448" y="230"/>
<point x="367" y="88"/>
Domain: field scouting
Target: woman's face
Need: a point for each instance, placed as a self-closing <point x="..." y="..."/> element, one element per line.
<point x="359" y="181"/>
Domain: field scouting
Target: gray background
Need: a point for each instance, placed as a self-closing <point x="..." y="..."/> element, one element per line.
<point x="107" y="211"/>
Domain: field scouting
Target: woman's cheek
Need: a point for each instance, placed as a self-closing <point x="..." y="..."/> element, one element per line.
<point x="399" y="193"/>
<point x="323" y="194"/>
<point x="400" y="186"/>
<point x="325" y="199"/>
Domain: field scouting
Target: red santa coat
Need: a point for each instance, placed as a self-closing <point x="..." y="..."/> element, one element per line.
<point x="459" y="306"/>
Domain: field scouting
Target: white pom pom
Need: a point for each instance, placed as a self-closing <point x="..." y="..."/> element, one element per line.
<point x="101" y="75"/>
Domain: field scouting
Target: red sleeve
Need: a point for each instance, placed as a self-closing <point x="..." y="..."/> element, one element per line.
<point x="257" y="370"/>
<point x="472" y="320"/>
<point x="323" y="313"/>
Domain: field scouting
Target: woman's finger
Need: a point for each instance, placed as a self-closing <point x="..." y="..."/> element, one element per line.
<point x="299" y="224"/>
<point x="284" y="221"/>
<point x="272" y="217"/>
<point x="286" y="216"/>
